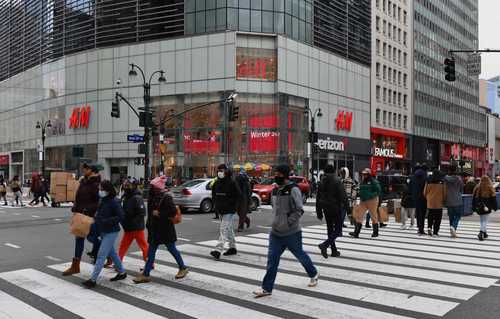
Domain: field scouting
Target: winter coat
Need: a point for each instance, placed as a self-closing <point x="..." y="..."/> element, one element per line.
<point x="244" y="186"/>
<point x="407" y="200"/>
<point x="160" y="228"/>
<point x="36" y="186"/>
<point x="434" y="194"/>
<point x="87" y="196"/>
<point x="108" y="216"/>
<point x="225" y="194"/>
<point x="469" y="187"/>
<point x="15" y="186"/>
<point x="331" y="195"/>
<point x="133" y="206"/>
<point x="478" y="202"/>
<point x="454" y="187"/>
<point x="369" y="189"/>
<point x="287" y="210"/>
<point x="417" y="186"/>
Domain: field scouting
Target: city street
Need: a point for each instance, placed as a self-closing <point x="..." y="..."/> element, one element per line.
<point x="398" y="275"/>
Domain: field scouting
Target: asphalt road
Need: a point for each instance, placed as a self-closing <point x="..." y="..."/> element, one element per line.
<point x="38" y="237"/>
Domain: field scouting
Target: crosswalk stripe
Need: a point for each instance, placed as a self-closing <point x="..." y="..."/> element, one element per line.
<point x="404" y="252"/>
<point x="355" y="276"/>
<point x="491" y="241"/>
<point x="410" y="245"/>
<point x="81" y="301"/>
<point x="302" y="304"/>
<point x="369" y="295"/>
<point x="492" y="225"/>
<point x="398" y="259"/>
<point x="11" y="307"/>
<point x="461" y="230"/>
<point x="171" y="298"/>
<point x="419" y="273"/>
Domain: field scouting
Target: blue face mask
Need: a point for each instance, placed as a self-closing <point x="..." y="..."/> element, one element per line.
<point x="103" y="194"/>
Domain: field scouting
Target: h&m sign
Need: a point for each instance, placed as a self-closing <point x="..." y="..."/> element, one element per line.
<point x="344" y="121"/>
<point x="80" y="117"/>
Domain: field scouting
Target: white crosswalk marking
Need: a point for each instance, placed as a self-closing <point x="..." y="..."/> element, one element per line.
<point x="396" y="276"/>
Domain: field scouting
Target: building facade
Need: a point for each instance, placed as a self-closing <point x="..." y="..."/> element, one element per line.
<point x="448" y="120"/>
<point x="391" y="84"/>
<point x="493" y="91"/>
<point x="208" y="49"/>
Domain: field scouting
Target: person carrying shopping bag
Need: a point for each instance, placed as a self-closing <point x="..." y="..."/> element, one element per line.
<point x="107" y="221"/>
<point x="484" y="202"/>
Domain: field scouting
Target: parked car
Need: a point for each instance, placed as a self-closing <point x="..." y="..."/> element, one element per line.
<point x="197" y="194"/>
<point x="392" y="185"/>
<point x="266" y="186"/>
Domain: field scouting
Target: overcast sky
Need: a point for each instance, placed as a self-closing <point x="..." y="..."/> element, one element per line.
<point x="489" y="37"/>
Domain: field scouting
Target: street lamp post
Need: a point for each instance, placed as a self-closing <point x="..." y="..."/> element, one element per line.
<point x="312" y="115"/>
<point x="147" y="110"/>
<point x="43" y="126"/>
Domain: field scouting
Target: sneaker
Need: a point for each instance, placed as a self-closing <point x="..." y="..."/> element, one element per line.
<point x="421" y="234"/>
<point x="230" y="252"/>
<point x="89" y="283"/>
<point x="411" y="226"/>
<point x="215" y="254"/>
<point x="119" y="277"/>
<point x="314" y="281"/>
<point x="404" y="227"/>
<point x="181" y="273"/>
<point x="435" y="235"/>
<point x="261" y="293"/>
<point x="141" y="279"/>
<point x="323" y="250"/>
<point x="453" y="232"/>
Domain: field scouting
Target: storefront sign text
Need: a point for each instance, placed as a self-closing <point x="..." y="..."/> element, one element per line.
<point x="344" y="121"/>
<point x="387" y="152"/>
<point x="80" y="117"/>
<point x="254" y="63"/>
<point x="330" y="145"/>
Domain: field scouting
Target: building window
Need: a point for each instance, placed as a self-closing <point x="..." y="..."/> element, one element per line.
<point x="378" y="4"/>
<point x="377" y="92"/>
<point x="389" y="97"/>
<point x="389" y="27"/>
<point x="384" y="49"/>
<point x="389" y="52"/>
<point x="399" y="35"/>
<point x="384" y="95"/>
<point x="394" y="119"/>
<point x="378" y="47"/>
<point x="377" y="68"/>
<point x="404" y="37"/>
<point x="399" y="99"/>
<point x="404" y="17"/>
<point x="405" y="122"/>
<point x="389" y="121"/>
<point x="394" y="76"/>
<point x="383" y="4"/>
<point x="399" y="78"/>
<point x="389" y="75"/>
<point x="384" y="118"/>
<point x="405" y="56"/>
<point x="394" y="97"/>
<point x="384" y="27"/>
<point x="384" y="72"/>
<point x="405" y="80"/>
<point x="399" y="121"/>
<point x="394" y="55"/>
<point x="389" y="6"/>
<point x="394" y="11"/>
<point x="405" y="98"/>
<point x="399" y="14"/>
<point x="394" y="33"/>
<point x="378" y="23"/>
<point x="377" y="116"/>
<point x="399" y="57"/>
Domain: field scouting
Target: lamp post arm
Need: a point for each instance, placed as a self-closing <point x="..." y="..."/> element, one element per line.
<point x="151" y="77"/>
<point x="140" y="70"/>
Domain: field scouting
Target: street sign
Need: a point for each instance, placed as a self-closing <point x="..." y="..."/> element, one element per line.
<point x="474" y="64"/>
<point x="136" y="138"/>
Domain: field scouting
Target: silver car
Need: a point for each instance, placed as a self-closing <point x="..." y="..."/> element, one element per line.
<point x="197" y="194"/>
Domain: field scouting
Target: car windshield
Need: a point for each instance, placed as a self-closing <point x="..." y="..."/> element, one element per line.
<point x="192" y="183"/>
<point x="267" y="181"/>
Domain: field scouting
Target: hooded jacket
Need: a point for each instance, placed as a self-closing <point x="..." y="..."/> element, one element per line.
<point x="87" y="196"/>
<point x="331" y="195"/>
<point x="454" y="187"/>
<point x="287" y="210"/>
<point x="133" y="206"/>
<point x="349" y="185"/>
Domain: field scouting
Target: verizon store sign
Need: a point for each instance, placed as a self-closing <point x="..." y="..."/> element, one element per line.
<point x="330" y="145"/>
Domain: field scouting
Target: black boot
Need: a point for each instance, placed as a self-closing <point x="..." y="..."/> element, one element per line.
<point x="357" y="230"/>
<point x="323" y="250"/>
<point x="480" y="236"/>
<point x="485" y="234"/>
<point x="367" y="225"/>
<point x="335" y="252"/>
<point x="375" y="230"/>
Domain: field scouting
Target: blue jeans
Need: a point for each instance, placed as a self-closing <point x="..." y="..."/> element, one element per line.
<point x="483" y="222"/>
<point x="172" y="249"/>
<point x="107" y="249"/>
<point x="277" y="246"/>
<point x="226" y="230"/>
<point x="93" y="237"/>
<point x="454" y="214"/>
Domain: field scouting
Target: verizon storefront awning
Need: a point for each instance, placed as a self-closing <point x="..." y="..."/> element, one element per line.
<point x="349" y="145"/>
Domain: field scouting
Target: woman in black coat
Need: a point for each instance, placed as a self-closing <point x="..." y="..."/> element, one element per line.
<point x="161" y="230"/>
<point x="484" y="202"/>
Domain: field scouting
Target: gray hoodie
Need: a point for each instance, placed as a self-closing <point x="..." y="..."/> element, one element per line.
<point x="454" y="187"/>
<point x="287" y="210"/>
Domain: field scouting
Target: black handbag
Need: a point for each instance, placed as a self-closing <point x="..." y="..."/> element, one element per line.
<point x="481" y="207"/>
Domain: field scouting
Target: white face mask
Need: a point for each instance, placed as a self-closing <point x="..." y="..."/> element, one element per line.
<point x="103" y="194"/>
<point x="220" y="175"/>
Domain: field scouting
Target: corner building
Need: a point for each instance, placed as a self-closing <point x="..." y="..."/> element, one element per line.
<point x="62" y="59"/>
<point x="449" y="124"/>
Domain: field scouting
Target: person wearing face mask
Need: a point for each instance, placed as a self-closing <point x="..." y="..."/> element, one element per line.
<point x="369" y="191"/>
<point x="286" y="231"/>
<point x="86" y="202"/>
<point x="226" y="195"/>
<point x="107" y="220"/>
<point x="133" y="222"/>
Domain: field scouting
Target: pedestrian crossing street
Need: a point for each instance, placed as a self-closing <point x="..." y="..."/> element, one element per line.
<point x="398" y="275"/>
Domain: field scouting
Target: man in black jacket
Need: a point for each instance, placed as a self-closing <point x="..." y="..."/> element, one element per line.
<point x="331" y="197"/>
<point x="225" y="195"/>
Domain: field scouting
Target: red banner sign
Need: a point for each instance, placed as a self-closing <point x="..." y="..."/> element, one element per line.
<point x="4" y="159"/>
<point x="80" y="117"/>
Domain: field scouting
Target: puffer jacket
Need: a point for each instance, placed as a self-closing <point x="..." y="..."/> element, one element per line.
<point x="369" y="189"/>
<point x="287" y="210"/>
<point x="133" y="206"/>
<point x="108" y="215"/>
<point x="87" y="196"/>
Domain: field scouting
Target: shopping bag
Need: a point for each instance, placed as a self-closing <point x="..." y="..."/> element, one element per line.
<point x="177" y="219"/>
<point x="80" y="225"/>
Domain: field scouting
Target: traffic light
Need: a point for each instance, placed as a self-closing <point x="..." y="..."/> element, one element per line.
<point x="234" y="111"/>
<point x="115" y="108"/>
<point x="449" y="69"/>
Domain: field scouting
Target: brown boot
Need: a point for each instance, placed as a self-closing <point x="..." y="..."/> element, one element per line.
<point x="74" y="269"/>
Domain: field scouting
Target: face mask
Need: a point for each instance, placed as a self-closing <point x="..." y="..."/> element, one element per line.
<point x="103" y="194"/>
<point x="280" y="180"/>
<point x="220" y="175"/>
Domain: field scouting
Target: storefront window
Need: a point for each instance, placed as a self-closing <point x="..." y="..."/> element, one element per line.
<point x="256" y="64"/>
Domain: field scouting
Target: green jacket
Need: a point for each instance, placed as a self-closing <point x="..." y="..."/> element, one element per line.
<point x="369" y="190"/>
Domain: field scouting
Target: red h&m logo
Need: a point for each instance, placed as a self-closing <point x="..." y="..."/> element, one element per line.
<point x="344" y="121"/>
<point x="80" y="117"/>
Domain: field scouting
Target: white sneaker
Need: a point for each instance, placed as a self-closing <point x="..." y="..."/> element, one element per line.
<point x="261" y="293"/>
<point x="453" y="232"/>
<point x="435" y="236"/>
<point x="403" y="227"/>
<point x="314" y="281"/>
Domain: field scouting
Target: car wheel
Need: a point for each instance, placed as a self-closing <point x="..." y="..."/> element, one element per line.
<point x="206" y="206"/>
<point x="254" y="204"/>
